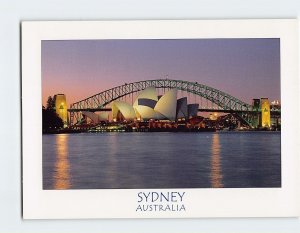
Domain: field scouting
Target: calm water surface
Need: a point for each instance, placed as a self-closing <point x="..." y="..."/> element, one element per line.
<point x="161" y="160"/>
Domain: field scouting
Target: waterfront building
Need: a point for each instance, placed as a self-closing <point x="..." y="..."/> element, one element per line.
<point x="61" y="108"/>
<point x="149" y="106"/>
<point x="265" y="113"/>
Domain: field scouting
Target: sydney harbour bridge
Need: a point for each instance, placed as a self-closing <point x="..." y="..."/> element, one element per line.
<point x="208" y="98"/>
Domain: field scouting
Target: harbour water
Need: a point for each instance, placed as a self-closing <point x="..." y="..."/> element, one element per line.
<point x="161" y="160"/>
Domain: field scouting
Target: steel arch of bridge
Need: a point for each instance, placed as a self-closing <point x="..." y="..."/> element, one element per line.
<point x="220" y="98"/>
<point x="223" y="100"/>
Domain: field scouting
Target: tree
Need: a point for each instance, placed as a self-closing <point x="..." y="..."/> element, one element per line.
<point x="50" y="103"/>
<point x="51" y="121"/>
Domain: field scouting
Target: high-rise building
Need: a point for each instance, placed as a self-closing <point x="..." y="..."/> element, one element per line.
<point x="61" y="108"/>
<point x="265" y="113"/>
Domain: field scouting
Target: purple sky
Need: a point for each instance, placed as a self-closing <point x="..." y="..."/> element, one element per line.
<point x="244" y="68"/>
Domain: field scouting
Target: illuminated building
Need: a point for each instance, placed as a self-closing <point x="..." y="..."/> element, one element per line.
<point x="265" y="112"/>
<point x="149" y="106"/>
<point x="61" y="108"/>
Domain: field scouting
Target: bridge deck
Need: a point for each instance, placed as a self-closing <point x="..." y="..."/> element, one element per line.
<point x="199" y="110"/>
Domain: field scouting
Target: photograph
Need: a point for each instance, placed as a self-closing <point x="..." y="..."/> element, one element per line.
<point x="160" y="119"/>
<point x="187" y="113"/>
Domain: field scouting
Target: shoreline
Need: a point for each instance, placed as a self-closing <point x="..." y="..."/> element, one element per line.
<point x="212" y="130"/>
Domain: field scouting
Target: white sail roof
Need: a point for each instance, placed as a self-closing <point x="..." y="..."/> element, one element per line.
<point x="145" y="112"/>
<point x="148" y="93"/>
<point x="167" y="104"/>
<point x="124" y="108"/>
<point x="96" y="118"/>
<point x="182" y="109"/>
<point x="103" y="116"/>
<point x="93" y="116"/>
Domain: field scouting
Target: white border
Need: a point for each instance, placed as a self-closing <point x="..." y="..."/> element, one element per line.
<point x="58" y="204"/>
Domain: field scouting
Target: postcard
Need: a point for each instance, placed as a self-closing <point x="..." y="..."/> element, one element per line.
<point x="160" y="119"/>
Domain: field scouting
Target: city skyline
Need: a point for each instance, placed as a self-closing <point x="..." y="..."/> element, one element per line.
<point x="244" y="68"/>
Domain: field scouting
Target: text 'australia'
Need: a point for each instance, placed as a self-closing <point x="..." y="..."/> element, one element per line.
<point x="160" y="201"/>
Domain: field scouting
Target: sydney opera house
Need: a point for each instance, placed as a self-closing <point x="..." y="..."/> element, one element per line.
<point x="149" y="106"/>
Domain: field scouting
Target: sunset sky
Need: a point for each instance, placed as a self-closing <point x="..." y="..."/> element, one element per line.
<point x="244" y="68"/>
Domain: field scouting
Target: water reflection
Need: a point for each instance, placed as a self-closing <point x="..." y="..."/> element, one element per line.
<point x="216" y="171"/>
<point x="112" y="160"/>
<point x="62" y="166"/>
<point x="162" y="160"/>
